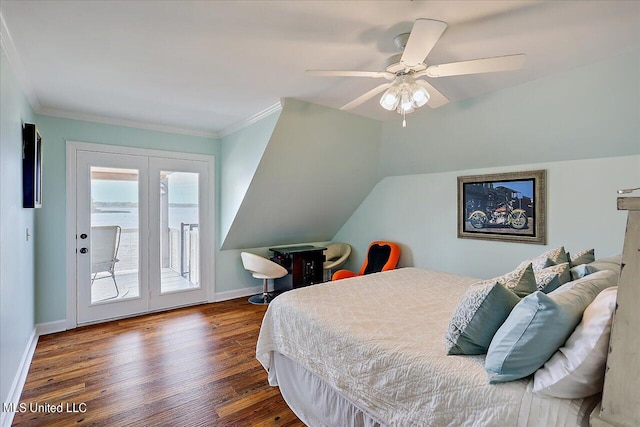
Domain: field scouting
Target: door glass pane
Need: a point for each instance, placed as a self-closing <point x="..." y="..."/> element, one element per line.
<point x="179" y="231"/>
<point x="114" y="234"/>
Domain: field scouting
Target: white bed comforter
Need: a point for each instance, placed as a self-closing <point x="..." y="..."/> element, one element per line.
<point x="379" y="341"/>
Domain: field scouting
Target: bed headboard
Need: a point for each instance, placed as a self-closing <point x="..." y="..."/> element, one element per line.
<point x="620" y="404"/>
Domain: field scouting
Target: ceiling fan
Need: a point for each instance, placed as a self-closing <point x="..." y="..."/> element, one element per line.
<point x="405" y="91"/>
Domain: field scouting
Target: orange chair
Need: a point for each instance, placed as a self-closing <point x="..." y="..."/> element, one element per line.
<point x="381" y="256"/>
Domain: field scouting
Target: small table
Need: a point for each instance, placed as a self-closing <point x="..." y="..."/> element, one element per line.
<point x="304" y="264"/>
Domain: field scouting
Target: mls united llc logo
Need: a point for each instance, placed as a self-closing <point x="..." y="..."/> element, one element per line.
<point x="66" y="407"/>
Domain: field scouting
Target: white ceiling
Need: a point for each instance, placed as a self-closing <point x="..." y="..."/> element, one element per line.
<point x="203" y="66"/>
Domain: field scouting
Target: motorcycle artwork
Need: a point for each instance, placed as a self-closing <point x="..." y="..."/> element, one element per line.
<point x="508" y="207"/>
<point x="504" y="215"/>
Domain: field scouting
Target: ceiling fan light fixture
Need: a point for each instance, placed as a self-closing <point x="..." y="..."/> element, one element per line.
<point x="419" y="95"/>
<point x="390" y="99"/>
<point x="406" y="103"/>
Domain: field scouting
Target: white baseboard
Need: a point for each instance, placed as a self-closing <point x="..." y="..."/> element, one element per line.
<point x="6" y="418"/>
<point x="51" y="327"/>
<point x="237" y="293"/>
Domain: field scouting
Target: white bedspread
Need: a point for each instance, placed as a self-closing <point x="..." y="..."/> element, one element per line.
<point x="379" y="341"/>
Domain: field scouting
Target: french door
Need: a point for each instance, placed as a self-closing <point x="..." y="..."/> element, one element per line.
<point x="142" y="232"/>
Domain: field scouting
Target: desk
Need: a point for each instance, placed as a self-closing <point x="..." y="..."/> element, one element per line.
<point x="304" y="264"/>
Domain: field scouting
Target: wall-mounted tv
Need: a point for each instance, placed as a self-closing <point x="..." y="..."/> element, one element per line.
<point x="31" y="166"/>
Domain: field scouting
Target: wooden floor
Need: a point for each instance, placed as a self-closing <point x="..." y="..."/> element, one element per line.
<point x="188" y="367"/>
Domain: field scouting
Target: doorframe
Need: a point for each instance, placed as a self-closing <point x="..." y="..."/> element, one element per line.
<point x="208" y="248"/>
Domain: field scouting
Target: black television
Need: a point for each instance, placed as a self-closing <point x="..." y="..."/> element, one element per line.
<point x="31" y="166"/>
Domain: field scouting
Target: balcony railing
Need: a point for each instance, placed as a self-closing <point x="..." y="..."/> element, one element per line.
<point x="182" y="251"/>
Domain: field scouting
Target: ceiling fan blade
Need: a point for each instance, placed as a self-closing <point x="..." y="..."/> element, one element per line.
<point x="424" y="35"/>
<point x="477" y="66"/>
<point x="373" y="74"/>
<point x="436" y="99"/>
<point x="367" y="96"/>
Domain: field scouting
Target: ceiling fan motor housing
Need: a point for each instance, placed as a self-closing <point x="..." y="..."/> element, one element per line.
<point x="401" y="40"/>
<point x="393" y="65"/>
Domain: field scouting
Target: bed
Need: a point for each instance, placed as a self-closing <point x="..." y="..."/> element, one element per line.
<point x="338" y="362"/>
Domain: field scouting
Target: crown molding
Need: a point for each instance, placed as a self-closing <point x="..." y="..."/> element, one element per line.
<point x="251" y="120"/>
<point x="55" y="112"/>
<point x="16" y="65"/>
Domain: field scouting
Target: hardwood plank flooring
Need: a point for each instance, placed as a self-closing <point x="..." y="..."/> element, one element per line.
<point x="193" y="366"/>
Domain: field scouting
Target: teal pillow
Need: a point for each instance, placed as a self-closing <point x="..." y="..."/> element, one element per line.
<point x="521" y="281"/>
<point x="538" y="325"/>
<point x="579" y="271"/>
<point x="550" y="278"/>
<point x="481" y="311"/>
<point x="551" y="284"/>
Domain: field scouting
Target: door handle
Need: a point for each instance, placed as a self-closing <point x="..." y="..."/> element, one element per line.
<point x="83" y="250"/>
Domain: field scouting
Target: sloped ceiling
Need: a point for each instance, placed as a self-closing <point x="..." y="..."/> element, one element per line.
<point x="319" y="165"/>
<point x="565" y="116"/>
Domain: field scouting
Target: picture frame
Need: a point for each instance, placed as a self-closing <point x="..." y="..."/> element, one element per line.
<point x="507" y="207"/>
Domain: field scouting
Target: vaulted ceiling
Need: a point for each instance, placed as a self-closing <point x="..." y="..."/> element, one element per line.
<point x="202" y="66"/>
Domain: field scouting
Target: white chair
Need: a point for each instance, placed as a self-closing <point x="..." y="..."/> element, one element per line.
<point x="105" y="241"/>
<point x="262" y="268"/>
<point x="336" y="255"/>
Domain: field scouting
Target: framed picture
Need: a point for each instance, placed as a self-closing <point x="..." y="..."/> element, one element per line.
<point x="506" y="206"/>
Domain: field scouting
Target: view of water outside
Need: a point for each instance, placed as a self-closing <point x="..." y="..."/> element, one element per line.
<point x="115" y="202"/>
<point x="127" y="218"/>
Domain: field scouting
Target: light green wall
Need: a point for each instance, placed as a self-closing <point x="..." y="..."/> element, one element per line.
<point x="51" y="218"/>
<point x="317" y="168"/>
<point x="240" y="154"/>
<point x="17" y="291"/>
<point x="419" y="212"/>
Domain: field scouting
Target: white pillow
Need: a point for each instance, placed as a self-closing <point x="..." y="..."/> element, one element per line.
<point x="576" y="370"/>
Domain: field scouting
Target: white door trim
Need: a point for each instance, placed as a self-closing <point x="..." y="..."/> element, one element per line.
<point x="72" y="148"/>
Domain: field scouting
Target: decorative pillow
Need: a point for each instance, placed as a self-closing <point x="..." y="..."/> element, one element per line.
<point x="550" y="278"/>
<point x="579" y="271"/>
<point x="551" y="257"/>
<point x="521" y="281"/>
<point x="481" y="311"/>
<point x="609" y="275"/>
<point x="608" y="263"/>
<point x="583" y="257"/>
<point x="576" y="370"/>
<point x="538" y="326"/>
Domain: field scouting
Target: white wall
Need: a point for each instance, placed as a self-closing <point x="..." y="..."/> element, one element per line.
<point x="419" y="212"/>
<point x="16" y="254"/>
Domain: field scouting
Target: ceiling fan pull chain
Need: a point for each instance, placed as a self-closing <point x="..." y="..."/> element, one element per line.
<point x="404" y="120"/>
